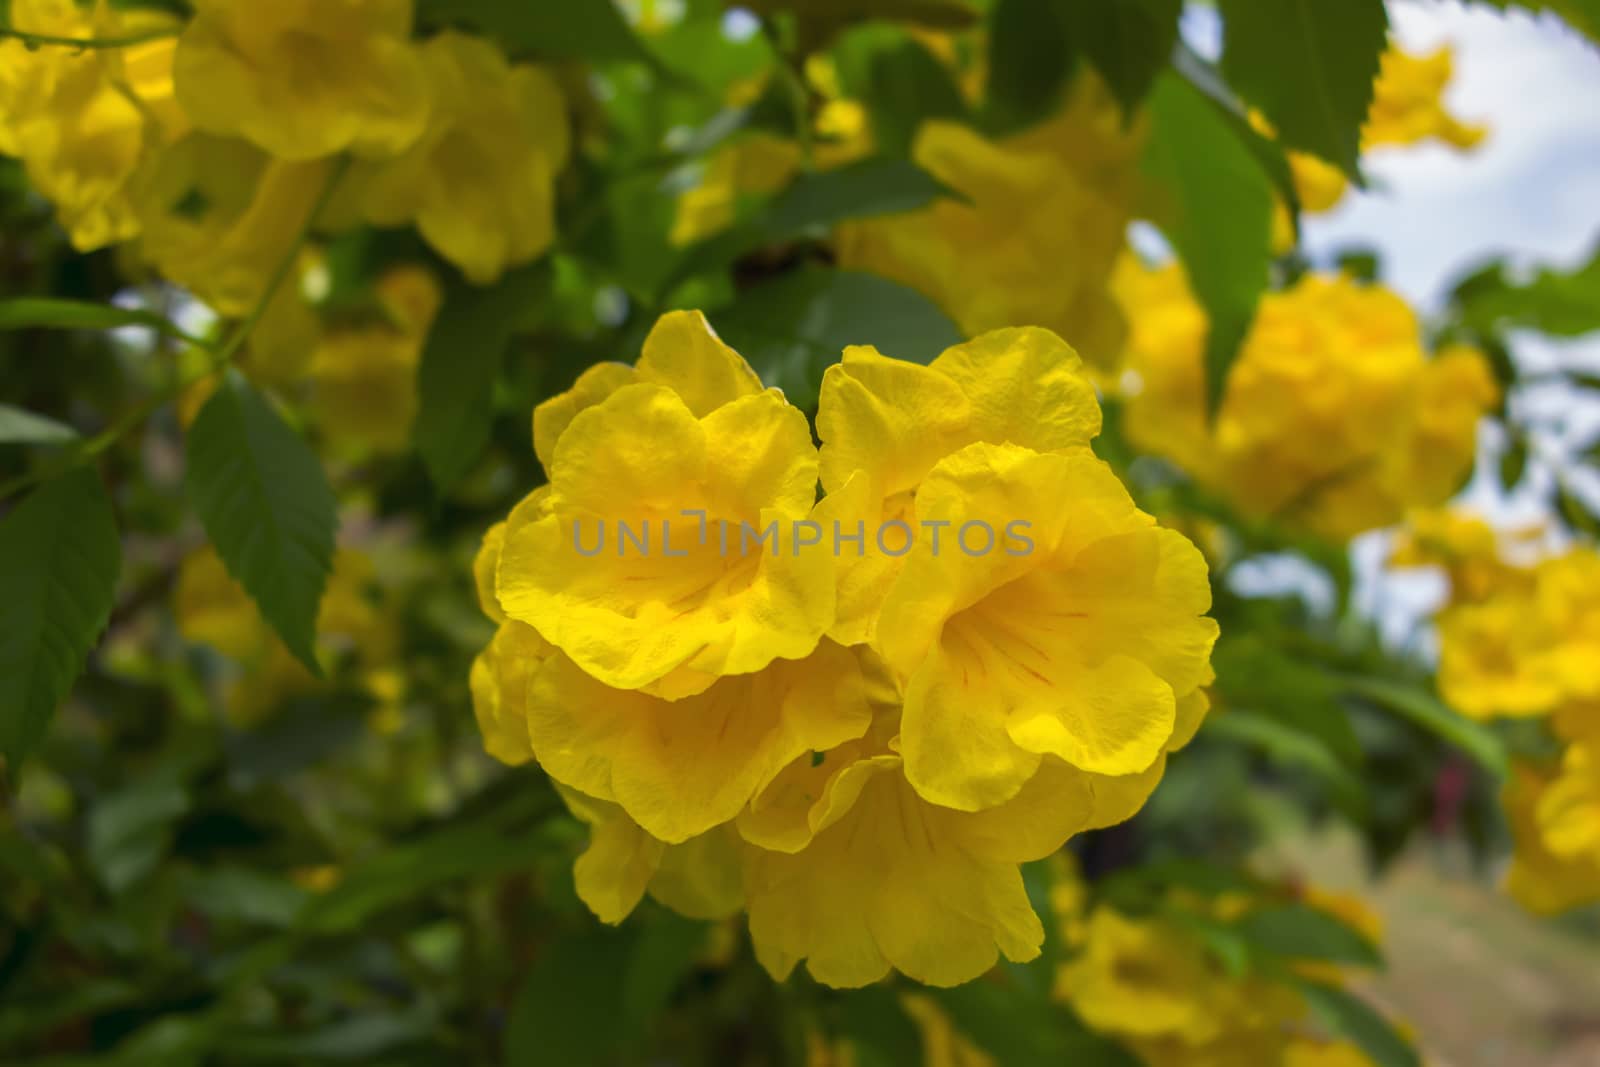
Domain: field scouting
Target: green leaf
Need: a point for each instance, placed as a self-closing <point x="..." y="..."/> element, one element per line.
<point x="1346" y="1014"/>
<point x="1252" y="672"/>
<point x="1301" y="932"/>
<point x="300" y="733"/>
<point x="407" y="871"/>
<point x="1216" y="208"/>
<point x="1128" y="41"/>
<point x="265" y="502"/>
<point x="1024" y="1031"/>
<point x="130" y="830"/>
<point x="1290" y="747"/>
<point x="876" y="1024"/>
<point x="1559" y="303"/>
<point x="792" y="329"/>
<point x="901" y="84"/>
<point x="1576" y="511"/>
<point x="45" y="313"/>
<point x="592" y="31"/>
<point x="880" y="185"/>
<point x="1309" y="65"/>
<point x="59" y="559"/>
<point x="20" y="427"/>
<point x="1427" y="711"/>
<point x="567" y="1008"/>
<point x="460" y="363"/>
<point x="665" y="950"/>
<point x="1030" y="58"/>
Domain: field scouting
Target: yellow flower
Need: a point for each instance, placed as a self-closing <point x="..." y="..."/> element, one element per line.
<point x="304" y="79"/>
<point x="219" y="216"/>
<point x="1143" y="979"/>
<point x="1529" y="649"/>
<point x="1038" y="234"/>
<point x="758" y="164"/>
<point x="480" y="182"/>
<point x="698" y="878"/>
<point x="364" y="376"/>
<point x="1408" y="103"/>
<point x="1540" y="879"/>
<point x="1305" y="1052"/>
<point x="1332" y="419"/>
<point x="885" y="422"/>
<point x="1569" y="810"/>
<point x="667" y="600"/>
<point x="870" y="876"/>
<point x="942" y="1044"/>
<point x="1073" y="635"/>
<point x="83" y="122"/>
<point x="1466" y="547"/>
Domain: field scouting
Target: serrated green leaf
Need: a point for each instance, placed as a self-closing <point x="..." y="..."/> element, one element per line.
<point x="47" y="313"/>
<point x="880" y="185"/>
<point x="1301" y="932"/>
<point x="1215" y="205"/>
<point x="1559" y="303"/>
<point x="59" y="560"/>
<point x="1128" y="41"/>
<point x="21" y="427"/>
<point x="130" y="830"/>
<point x="1309" y="65"/>
<point x="264" y="500"/>
<point x="792" y="329"/>
<point x="1345" y="1013"/>
<point x="460" y="363"/>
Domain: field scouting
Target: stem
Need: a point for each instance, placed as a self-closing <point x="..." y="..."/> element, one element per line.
<point x="799" y="96"/>
<point x="83" y="44"/>
<point x="223" y="357"/>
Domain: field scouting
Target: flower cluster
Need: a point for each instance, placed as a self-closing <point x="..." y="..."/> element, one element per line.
<point x="1519" y="639"/>
<point x="858" y="749"/>
<point x="1334" y="418"/>
<point x="204" y="148"/>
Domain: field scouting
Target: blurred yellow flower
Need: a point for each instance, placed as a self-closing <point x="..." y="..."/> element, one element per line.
<point x="1037" y="235"/>
<point x="1540" y="879"/>
<point x="1408" y="103"/>
<point x="304" y="79"/>
<point x="1333" y="418"/>
<point x="479" y="183"/>
<point x="84" y="121"/>
<point x="364" y="376"/>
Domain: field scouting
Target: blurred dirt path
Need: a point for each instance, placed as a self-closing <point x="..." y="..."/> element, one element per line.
<point x="1480" y="982"/>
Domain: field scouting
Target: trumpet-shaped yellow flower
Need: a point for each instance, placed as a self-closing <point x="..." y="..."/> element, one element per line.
<point x="880" y="879"/>
<point x="364" y="376"/>
<point x="83" y="122"/>
<point x="1073" y="636"/>
<point x="1036" y="235"/>
<point x="1569" y="810"/>
<point x="480" y="182"/>
<point x="1333" y="418"/>
<point x="885" y="422"/>
<point x="613" y="571"/>
<point x="304" y="79"/>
